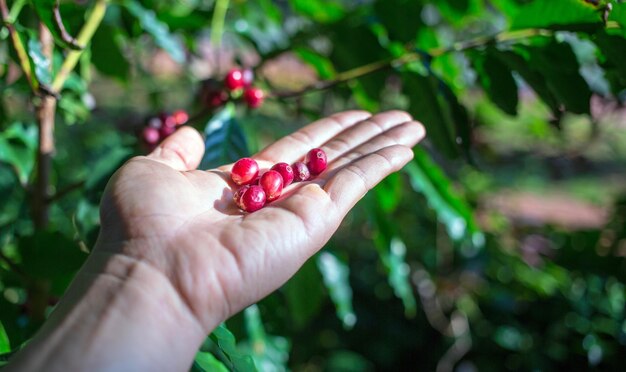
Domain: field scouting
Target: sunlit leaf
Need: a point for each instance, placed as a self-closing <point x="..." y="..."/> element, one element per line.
<point x="40" y="62"/>
<point x="18" y="144"/>
<point x="206" y="362"/>
<point x="336" y="278"/>
<point x="320" y="10"/>
<point x="427" y="178"/>
<point x="5" y="345"/>
<point x="228" y="345"/>
<point x="270" y="353"/>
<point x="225" y="141"/>
<point x="159" y="30"/>
<point x="557" y="14"/>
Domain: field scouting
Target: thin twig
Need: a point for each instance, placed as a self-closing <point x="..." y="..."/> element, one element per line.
<point x="61" y="193"/>
<point x="20" y="50"/>
<point x="84" y="36"/>
<point x="58" y="21"/>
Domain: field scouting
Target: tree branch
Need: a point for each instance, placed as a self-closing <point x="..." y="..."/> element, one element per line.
<point x="20" y="50"/>
<point x="411" y="57"/>
<point x="84" y="36"/>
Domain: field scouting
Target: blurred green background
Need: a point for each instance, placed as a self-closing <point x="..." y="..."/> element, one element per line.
<point x="500" y="247"/>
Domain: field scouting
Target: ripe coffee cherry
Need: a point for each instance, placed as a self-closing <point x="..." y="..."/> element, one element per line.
<point x="316" y="161"/>
<point x="272" y="183"/>
<point x="247" y="77"/>
<point x="300" y="171"/>
<point x="238" y="194"/>
<point x="180" y="117"/>
<point x="166" y="131"/>
<point x="254" y="97"/>
<point x="150" y="135"/>
<point x="167" y="119"/>
<point x="244" y="171"/>
<point x="253" y="199"/>
<point x="285" y="171"/>
<point x="234" y="79"/>
<point x="155" y="123"/>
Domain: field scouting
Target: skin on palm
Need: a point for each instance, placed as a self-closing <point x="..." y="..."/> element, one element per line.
<point x="185" y="224"/>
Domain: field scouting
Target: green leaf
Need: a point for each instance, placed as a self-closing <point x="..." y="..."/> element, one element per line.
<point x="496" y="79"/>
<point x="206" y="362"/>
<point x="336" y="278"/>
<point x="50" y="256"/>
<point x="570" y="15"/>
<point x="227" y="344"/>
<point x="304" y="293"/>
<point x="392" y="252"/>
<point x="557" y="64"/>
<point x="18" y="144"/>
<point x="322" y="65"/>
<point x="159" y="30"/>
<point x="618" y="14"/>
<point x="270" y="353"/>
<point x="322" y="11"/>
<point x="106" y="166"/>
<point x="40" y="62"/>
<point x="401" y="18"/>
<point x="225" y="141"/>
<point x="428" y="105"/>
<point x="613" y="49"/>
<point x="44" y="9"/>
<point x="517" y="63"/>
<point x="452" y="210"/>
<point x="106" y="54"/>
<point x="5" y="345"/>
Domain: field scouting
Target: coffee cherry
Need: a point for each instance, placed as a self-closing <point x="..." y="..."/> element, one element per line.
<point x="285" y="171"/>
<point x="253" y="199"/>
<point x="300" y="171"/>
<point x="166" y="131"/>
<point x="272" y="183"/>
<point x="254" y="97"/>
<point x="150" y="135"/>
<point x="234" y="79"/>
<point x="316" y="161"/>
<point x="180" y="117"/>
<point x="217" y="99"/>
<point x="244" y="171"/>
<point x="238" y="194"/>
<point x="167" y="120"/>
<point x="155" y="123"/>
<point x="247" y="77"/>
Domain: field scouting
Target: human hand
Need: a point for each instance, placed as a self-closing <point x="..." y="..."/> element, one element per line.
<point x="159" y="211"/>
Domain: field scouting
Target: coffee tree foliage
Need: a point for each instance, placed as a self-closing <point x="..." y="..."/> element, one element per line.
<point x="412" y="280"/>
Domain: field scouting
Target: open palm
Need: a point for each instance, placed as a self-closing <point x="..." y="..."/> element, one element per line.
<point x="159" y="210"/>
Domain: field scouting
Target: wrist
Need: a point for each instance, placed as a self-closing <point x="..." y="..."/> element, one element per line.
<point x="123" y="306"/>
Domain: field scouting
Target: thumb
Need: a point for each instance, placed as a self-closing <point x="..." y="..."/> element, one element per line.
<point x="183" y="150"/>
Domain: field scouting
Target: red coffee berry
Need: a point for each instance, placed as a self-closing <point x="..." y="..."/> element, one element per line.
<point x="272" y="183"/>
<point x="244" y="171"/>
<point x="253" y="199"/>
<point x="234" y="79"/>
<point x="166" y="131"/>
<point x="238" y="194"/>
<point x="150" y="135"/>
<point x="217" y="99"/>
<point x="316" y="161"/>
<point x="247" y="77"/>
<point x="254" y="97"/>
<point x="285" y="171"/>
<point x="180" y="117"/>
<point x="300" y="171"/>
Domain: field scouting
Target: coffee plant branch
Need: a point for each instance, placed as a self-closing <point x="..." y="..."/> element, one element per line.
<point x="343" y="77"/>
<point x="83" y="38"/>
<point x="20" y="50"/>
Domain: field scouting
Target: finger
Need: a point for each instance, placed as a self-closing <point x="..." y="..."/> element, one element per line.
<point x="350" y="183"/>
<point x="294" y="146"/>
<point x="183" y="150"/>
<point x="364" y="132"/>
<point x="407" y="134"/>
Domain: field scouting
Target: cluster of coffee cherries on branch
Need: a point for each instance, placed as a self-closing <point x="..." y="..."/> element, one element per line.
<point x="158" y="128"/>
<point x="257" y="191"/>
<point x="237" y="84"/>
